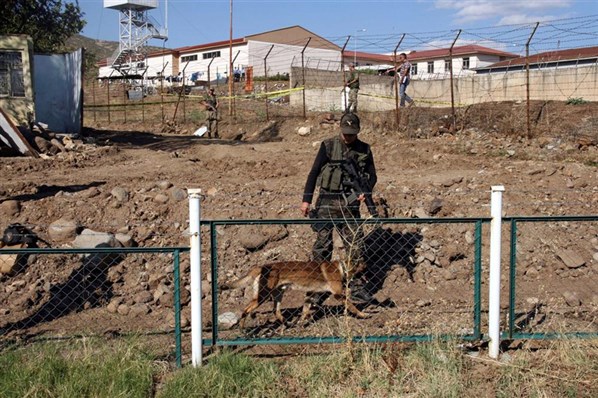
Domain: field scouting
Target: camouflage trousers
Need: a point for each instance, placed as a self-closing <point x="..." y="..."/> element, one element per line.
<point x="349" y="230"/>
<point x="352" y="105"/>
<point x="212" y="123"/>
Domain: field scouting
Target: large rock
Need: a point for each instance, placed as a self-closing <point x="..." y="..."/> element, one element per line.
<point x="227" y="320"/>
<point x="63" y="230"/>
<point x="571" y="258"/>
<point x="178" y="194"/>
<point x="120" y="194"/>
<point x="90" y="238"/>
<point x="10" y="208"/>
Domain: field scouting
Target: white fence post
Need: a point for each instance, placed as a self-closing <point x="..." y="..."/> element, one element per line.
<point x="494" y="282"/>
<point x="195" y="253"/>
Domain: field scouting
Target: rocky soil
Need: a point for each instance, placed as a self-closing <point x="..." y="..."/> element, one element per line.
<point x="120" y="187"/>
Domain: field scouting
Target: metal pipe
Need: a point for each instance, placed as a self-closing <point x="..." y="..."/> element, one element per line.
<point x="266" y="81"/>
<point x="396" y="82"/>
<point x="195" y="276"/>
<point x="343" y="70"/>
<point x="454" y="124"/>
<point x="494" y="279"/>
<point x="529" y="127"/>
<point x="303" y="73"/>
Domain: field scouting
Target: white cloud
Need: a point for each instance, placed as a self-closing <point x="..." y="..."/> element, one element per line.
<point x="508" y="11"/>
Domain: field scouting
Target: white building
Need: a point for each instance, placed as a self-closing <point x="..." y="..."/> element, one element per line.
<point x="435" y="64"/>
<point x="282" y="47"/>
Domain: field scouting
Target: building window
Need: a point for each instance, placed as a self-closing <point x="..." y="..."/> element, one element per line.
<point x="466" y="63"/>
<point x="413" y="69"/>
<point x="189" y="58"/>
<point x="11" y="74"/>
<point x="447" y="65"/>
<point x="431" y="67"/>
<point x="213" y="54"/>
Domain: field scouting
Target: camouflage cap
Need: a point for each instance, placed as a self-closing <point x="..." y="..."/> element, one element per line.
<point x="350" y="124"/>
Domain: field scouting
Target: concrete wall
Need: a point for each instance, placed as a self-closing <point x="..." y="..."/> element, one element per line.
<point x="18" y="107"/>
<point x="324" y="91"/>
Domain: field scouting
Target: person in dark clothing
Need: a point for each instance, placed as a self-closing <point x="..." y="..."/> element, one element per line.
<point x="329" y="176"/>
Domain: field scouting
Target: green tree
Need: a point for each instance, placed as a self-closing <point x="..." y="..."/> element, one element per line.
<point x="49" y="22"/>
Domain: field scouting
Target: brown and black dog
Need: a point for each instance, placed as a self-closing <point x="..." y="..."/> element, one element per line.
<point x="270" y="280"/>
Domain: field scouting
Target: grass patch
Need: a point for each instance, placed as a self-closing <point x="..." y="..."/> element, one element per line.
<point x="225" y="375"/>
<point x="81" y="370"/>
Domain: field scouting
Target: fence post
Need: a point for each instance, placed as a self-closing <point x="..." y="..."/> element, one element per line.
<point x="529" y="127"/>
<point x="303" y="72"/>
<point x="494" y="282"/>
<point x="344" y="97"/>
<point x="234" y="99"/>
<point x="396" y="82"/>
<point x="195" y="255"/>
<point x="454" y="124"/>
<point x="266" y="81"/>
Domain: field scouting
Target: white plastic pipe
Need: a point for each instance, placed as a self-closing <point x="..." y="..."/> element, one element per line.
<point x="494" y="282"/>
<point x="195" y="246"/>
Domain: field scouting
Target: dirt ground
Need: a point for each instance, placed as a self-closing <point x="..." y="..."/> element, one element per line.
<point x="128" y="179"/>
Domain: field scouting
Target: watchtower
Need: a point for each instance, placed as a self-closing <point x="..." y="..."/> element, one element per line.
<point x="136" y="28"/>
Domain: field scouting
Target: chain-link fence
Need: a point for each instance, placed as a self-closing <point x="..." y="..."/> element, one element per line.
<point x="67" y="293"/>
<point x="422" y="279"/>
<point x="532" y="64"/>
<point x="553" y="275"/>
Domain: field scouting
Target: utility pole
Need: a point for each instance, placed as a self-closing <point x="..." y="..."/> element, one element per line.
<point x="230" y="63"/>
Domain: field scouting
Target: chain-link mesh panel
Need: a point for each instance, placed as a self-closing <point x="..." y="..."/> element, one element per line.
<point x="554" y="275"/>
<point x="58" y="293"/>
<point x="417" y="280"/>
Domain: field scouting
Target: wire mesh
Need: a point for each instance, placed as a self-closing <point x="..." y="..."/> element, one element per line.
<point x="53" y="293"/>
<point x="553" y="277"/>
<point x="420" y="280"/>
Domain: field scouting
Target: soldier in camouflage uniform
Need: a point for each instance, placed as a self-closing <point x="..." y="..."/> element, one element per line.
<point x="328" y="174"/>
<point x="353" y="84"/>
<point x="211" y="103"/>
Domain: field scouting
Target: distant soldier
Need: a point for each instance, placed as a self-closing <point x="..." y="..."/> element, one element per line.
<point x="353" y="84"/>
<point x="211" y="103"/>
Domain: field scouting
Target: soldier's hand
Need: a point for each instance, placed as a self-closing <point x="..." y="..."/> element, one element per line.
<point x="361" y="197"/>
<point x="305" y="208"/>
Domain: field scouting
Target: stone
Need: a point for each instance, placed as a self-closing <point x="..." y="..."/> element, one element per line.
<point x="303" y="131"/>
<point x="435" y="206"/>
<point x="112" y="307"/>
<point x="570" y="258"/>
<point x="227" y="320"/>
<point x="123" y="309"/>
<point x="91" y="192"/>
<point x="43" y="144"/>
<point x="143" y="297"/>
<point x="572" y="299"/>
<point x="161" y="198"/>
<point x="178" y="194"/>
<point x="595" y="256"/>
<point x="469" y="237"/>
<point x="63" y="230"/>
<point x="90" y="238"/>
<point x="420" y="213"/>
<point x="10" y="208"/>
<point x="164" y="185"/>
<point x="139" y="309"/>
<point x="125" y="239"/>
<point x="120" y="194"/>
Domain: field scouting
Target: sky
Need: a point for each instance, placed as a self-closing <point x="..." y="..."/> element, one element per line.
<point x="192" y="22"/>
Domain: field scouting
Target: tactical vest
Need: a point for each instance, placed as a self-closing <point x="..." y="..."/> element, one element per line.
<point x="332" y="177"/>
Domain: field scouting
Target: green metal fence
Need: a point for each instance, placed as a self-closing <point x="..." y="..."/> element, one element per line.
<point x="553" y="277"/>
<point x="104" y="291"/>
<point x="403" y="311"/>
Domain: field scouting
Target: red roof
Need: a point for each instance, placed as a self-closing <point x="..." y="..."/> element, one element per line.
<point x="469" y="49"/>
<point x="551" y="56"/>
<point x="458" y="50"/>
<point x="206" y="46"/>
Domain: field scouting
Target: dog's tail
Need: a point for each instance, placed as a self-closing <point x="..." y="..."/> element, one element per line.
<point x="241" y="282"/>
